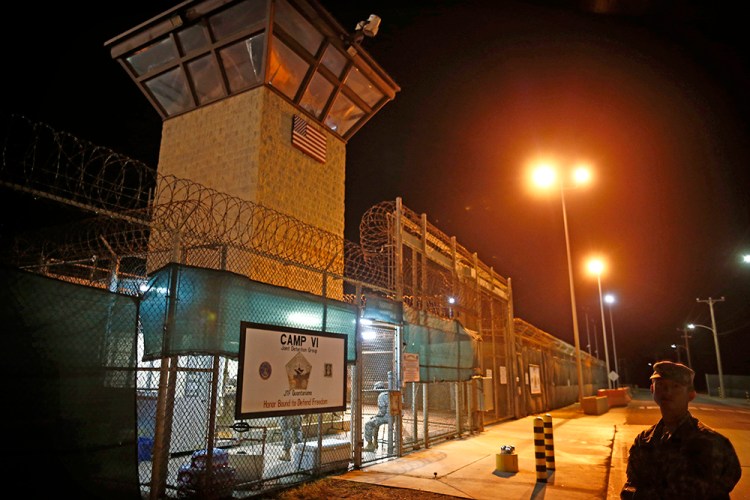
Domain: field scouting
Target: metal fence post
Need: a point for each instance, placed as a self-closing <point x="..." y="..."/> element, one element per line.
<point x="357" y="372"/>
<point x="425" y="415"/>
<point x="458" y="408"/>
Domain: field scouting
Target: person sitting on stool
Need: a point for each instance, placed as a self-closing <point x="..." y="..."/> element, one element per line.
<point x="380" y="418"/>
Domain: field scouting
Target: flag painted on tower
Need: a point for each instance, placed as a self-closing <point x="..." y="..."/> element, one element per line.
<point x="307" y="139"/>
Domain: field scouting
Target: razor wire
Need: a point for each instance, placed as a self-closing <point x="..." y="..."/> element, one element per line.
<point x="138" y="213"/>
<point x="138" y="209"/>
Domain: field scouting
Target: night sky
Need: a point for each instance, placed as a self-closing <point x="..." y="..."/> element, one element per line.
<point x="654" y="98"/>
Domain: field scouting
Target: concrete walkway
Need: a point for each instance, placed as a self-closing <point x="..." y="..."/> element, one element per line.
<point x="590" y="460"/>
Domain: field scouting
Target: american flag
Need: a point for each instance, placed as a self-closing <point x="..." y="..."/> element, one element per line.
<point x="307" y="139"/>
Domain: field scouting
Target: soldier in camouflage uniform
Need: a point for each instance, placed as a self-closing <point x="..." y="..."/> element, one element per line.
<point x="291" y="430"/>
<point x="679" y="457"/>
<point x="381" y="417"/>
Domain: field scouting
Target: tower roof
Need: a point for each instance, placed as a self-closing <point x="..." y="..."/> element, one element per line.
<point x="202" y="51"/>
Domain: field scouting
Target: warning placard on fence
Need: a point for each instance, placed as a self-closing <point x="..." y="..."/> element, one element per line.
<point x="410" y="367"/>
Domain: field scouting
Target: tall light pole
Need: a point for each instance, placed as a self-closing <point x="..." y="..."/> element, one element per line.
<point x="597" y="266"/>
<point x="610" y="299"/>
<point x="710" y="303"/>
<point x="545" y="176"/>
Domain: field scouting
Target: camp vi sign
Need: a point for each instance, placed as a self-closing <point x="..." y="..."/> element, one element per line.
<point x="286" y="371"/>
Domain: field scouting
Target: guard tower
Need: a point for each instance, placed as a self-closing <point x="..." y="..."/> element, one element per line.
<point x="258" y="100"/>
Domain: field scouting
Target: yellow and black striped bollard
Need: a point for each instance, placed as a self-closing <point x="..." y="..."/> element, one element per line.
<point x="549" y="442"/>
<point x="539" y="454"/>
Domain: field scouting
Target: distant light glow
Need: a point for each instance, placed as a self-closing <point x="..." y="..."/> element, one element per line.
<point x="368" y="334"/>
<point x="609" y="298"/>
<point x="746" y="258"/>
<point x="305" y="319"/>
<point x="451" y="300"/>
<point x="691" y="326"/>
<point x="145" y="287"/>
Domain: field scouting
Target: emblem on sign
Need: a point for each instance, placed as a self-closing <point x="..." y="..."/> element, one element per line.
<point x="265" y="370"/>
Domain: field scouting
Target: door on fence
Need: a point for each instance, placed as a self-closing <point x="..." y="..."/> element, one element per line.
<point x="379" y="379"/>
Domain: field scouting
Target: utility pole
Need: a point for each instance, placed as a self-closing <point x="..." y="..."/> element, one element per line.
<point x="687" y="345"/>
<point x="710" y="301"/>
<point x="677" y="349"/>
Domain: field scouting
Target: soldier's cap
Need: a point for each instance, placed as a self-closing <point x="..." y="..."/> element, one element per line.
<point x="676" y="372"/>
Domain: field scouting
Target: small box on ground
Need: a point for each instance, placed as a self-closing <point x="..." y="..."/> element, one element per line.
<point x="248" y="467"/>
<point x="506" y="462"/>
<point x="334" y="454"/>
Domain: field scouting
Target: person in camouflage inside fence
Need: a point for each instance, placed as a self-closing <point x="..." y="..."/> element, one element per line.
<point x="291" y="431"/>
<point x="679" y="457"/>
<point x="381" y="417"/>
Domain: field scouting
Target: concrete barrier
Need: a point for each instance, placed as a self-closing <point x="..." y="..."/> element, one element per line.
<point x="595" y="405"/>
<point x="616" y="397"/>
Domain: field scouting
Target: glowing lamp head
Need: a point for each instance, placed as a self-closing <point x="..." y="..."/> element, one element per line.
<point x="609" y="298"/>
<point x="544" y="175"/>
<point x="581" y="175"/>
<point x="596" y="266"/>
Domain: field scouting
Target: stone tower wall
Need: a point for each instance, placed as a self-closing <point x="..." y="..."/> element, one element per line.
<point x="241" y="146"/>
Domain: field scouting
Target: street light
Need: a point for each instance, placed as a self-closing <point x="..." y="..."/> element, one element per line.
<point x="610" y="299"/>
<point x="596" y="266"/>
<point x="545" y="176"/>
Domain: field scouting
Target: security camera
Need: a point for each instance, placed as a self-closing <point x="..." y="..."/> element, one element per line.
<point x="369" y="27"/>
<point x="363" y="28"/>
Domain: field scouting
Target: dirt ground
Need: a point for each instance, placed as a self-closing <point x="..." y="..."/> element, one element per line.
<point x="329" y="488"/>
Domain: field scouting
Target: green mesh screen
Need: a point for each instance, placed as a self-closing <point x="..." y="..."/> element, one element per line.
<point x="209" y="306"/>
<point x="69" y="381"/>
<point x="446" y="350"/>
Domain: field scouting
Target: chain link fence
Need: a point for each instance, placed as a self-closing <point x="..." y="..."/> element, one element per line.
<point x="126" y="329"/>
